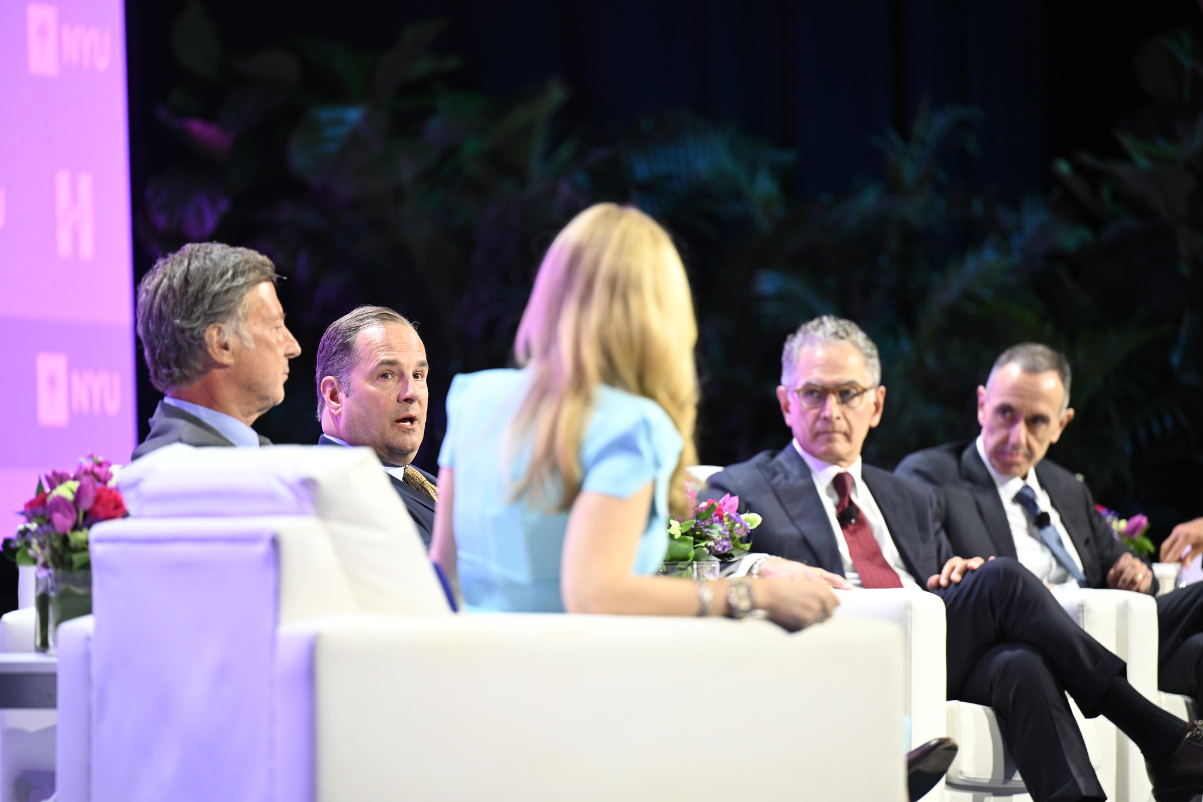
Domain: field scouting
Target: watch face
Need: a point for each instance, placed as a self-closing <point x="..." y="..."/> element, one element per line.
<point x="739" y="600"/>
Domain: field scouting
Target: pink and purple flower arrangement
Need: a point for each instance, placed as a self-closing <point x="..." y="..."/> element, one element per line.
<point x="1129" y="531"/>
<point x="61" y="513"/>
<point x="716" y="531"/>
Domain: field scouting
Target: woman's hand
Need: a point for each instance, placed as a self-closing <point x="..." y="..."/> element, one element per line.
<point x="794" y="605"/>
<point x="781" y="568"/>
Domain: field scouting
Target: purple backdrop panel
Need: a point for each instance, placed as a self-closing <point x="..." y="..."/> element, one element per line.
<point x="65" y="251"/>
<point x="66" y="278"/>
<point x="71" y="393"/>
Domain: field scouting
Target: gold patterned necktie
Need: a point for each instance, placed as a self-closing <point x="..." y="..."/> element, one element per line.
<point x="414" y="478"/>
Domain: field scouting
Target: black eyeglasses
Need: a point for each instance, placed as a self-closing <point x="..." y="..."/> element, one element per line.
<point x="812" y="396"/>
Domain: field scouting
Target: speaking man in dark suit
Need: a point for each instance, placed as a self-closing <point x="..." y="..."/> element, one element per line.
<point x="1010" y="645"/>
<point x="1000" y="496"/>
<point x="215" y="343"/>
<point x="371" y="391"/>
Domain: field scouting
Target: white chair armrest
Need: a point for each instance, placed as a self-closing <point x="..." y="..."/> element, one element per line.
<point x="920" y="617"/>
<point x="1092" y="610"/>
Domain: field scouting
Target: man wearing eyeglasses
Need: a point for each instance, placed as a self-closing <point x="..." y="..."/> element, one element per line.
<point x="999" y="495"/>
<point x="1010" y="645"/>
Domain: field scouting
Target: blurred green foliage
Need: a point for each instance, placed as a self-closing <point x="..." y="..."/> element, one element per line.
<point x="370" y="177"/>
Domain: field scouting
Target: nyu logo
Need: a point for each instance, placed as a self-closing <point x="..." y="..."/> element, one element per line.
<point x="73" y="213"/>
<point x="52" y="46"/>
<point x="63" y="392"/>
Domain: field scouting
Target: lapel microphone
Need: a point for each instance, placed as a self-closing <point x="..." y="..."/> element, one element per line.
<point x="848" y="516"/>
<point x="1042" y="520"/>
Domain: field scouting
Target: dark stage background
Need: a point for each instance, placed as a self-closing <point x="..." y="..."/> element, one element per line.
<point x="946" y="173"/>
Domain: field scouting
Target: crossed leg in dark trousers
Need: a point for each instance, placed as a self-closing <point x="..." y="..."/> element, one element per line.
<point x="1012" y="647"/>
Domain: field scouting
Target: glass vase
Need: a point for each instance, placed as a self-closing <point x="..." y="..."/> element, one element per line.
<point x="43" y="589"/>
<point x="696" y="569"/>
<point x="59" y="596"/>
<point x="71" y="597"/>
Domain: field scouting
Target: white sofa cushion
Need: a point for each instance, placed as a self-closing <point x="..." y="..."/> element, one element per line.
<point x="606" y="707"/>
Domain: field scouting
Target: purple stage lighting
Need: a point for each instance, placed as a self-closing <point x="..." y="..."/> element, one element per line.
<point x="66" y="307"/>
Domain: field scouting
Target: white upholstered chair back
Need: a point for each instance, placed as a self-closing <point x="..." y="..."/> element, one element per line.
<point x="346" y="541"/>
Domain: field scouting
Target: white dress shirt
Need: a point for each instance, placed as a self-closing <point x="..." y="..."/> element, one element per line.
<point x="823" y="473"/>
<point x="229" y="427"/>
<point x="1029" y="548"/>
<point x="397" y="471"/>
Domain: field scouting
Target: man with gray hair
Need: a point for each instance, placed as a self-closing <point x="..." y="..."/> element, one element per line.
<point x="1009" y="643"/>
<point x="371" y="391"/>
<point x="215" y="343"/>
<point x="1000" y="497"/>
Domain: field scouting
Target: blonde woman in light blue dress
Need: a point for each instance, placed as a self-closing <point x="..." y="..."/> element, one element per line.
<point x="557" y="478"/>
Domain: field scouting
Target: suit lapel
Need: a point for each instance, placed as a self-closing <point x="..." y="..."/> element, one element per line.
<point x="989" y="503"/>
<point x="789" y="477"/>
<point x="412" y="492"/>
<point x="898" y="514"/>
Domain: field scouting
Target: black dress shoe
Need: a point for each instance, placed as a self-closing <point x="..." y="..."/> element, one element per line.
<point x="1179" y="777"/>
<point x="925" y="765"/>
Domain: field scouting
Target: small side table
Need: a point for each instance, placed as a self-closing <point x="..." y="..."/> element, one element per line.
<point x="28" y="681"/>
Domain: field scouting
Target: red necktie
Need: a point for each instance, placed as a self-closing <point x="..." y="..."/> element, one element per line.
<point x="866" y="555"/>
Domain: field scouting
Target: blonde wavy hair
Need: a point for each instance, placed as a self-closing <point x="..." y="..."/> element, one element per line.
<point x="611" y="305"/>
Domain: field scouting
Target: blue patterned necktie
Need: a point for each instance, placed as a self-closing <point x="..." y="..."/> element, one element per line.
<point x="1048" y="533"/>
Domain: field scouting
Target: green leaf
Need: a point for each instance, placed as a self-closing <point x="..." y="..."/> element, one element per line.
<point x="194" y="42"/>
<point x="23" y="557"/>
<point x="679" y="550"/>
<point x="410" y="60"/>
<point x="80" y="560"/>
<point x="700" y="553"/>
<point x="1142" y="546"/>
<point x="319" y="137"/>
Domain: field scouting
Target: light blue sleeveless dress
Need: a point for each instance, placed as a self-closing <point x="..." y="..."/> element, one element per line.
<point x="508" y="550"/>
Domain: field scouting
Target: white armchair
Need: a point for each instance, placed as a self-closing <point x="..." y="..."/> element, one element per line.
<point x="267" y="627"/>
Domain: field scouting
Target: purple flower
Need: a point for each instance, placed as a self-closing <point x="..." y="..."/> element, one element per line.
<point x="62" y="514"/>
<point x="85" y="494"/>
<point x="729" y="504"/>
<point x="102" y="469"/>
<point x="56" y="478"/>
<point x="1136" y="525"/>
<point x="721" y="546"/>
<point x="98" y="468"/>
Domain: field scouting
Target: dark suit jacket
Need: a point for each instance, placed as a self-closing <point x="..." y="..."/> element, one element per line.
<point x="777" y="486"/>
<point x="170" y="424"/>
<point x="976" y="522"/>
<point x="420" y="506"/>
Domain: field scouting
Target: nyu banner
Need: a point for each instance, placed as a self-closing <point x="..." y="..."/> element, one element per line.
<point x="66" y="308"/>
